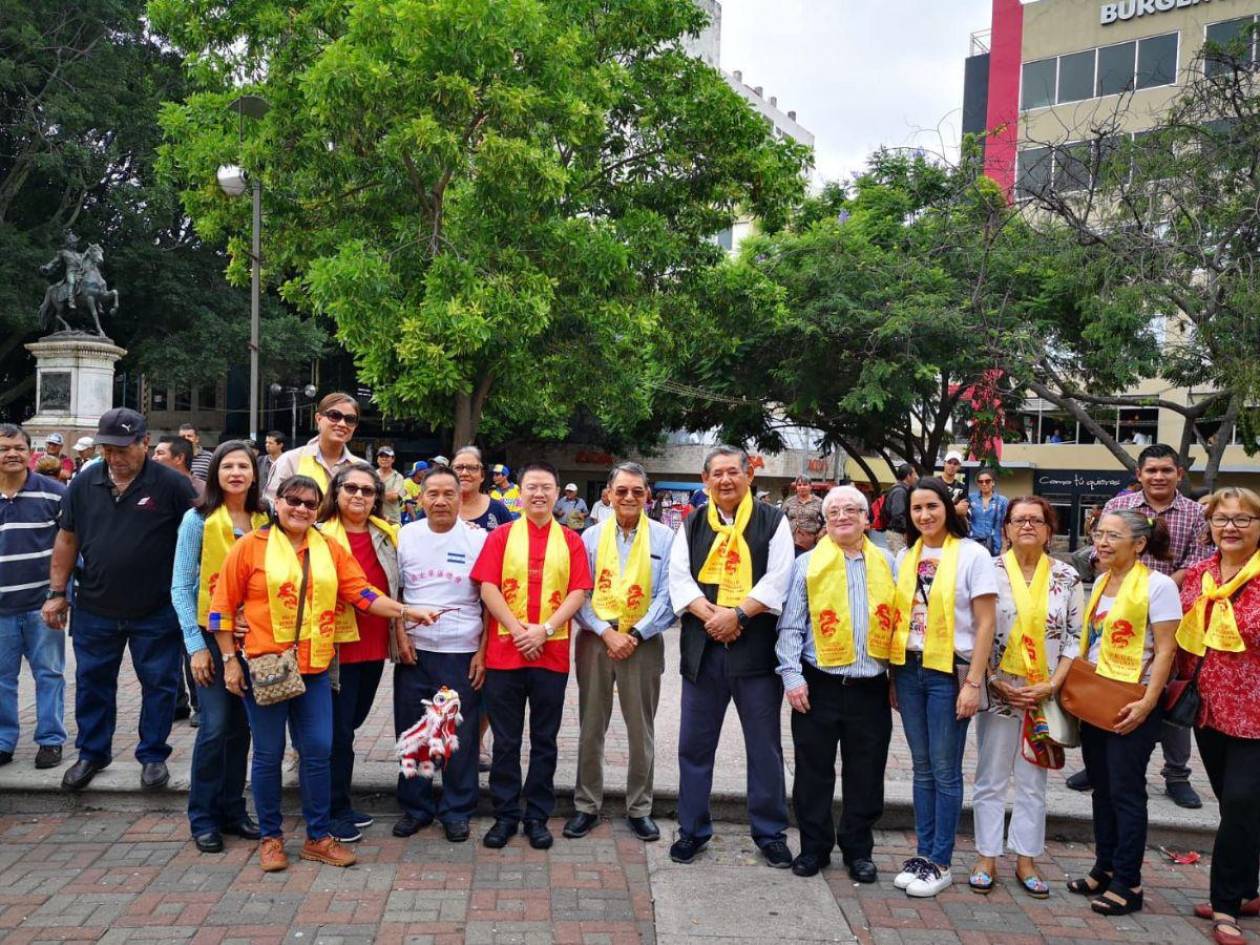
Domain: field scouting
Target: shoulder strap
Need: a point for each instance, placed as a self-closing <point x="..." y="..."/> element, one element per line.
<point x="306" y="577"/>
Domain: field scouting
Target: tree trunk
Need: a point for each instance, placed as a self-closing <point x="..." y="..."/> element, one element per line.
<point x="18" y="390"/>
<point x="469" y="408"/>
<point x="1217" y="452"/>
<point x="861" y="461"/>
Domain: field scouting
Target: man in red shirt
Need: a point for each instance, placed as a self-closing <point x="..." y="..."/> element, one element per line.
<point x="534" y="576"/>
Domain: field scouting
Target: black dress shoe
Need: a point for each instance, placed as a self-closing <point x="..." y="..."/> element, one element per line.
<point x="863" y="871"/>
<point x="210" y="842"/>
<point x="496" y="837"/>
<point x="48" y="756"/>
<point x="777" y="854"/>
<point x="808" y="864"/>
<point x="408" y="825"/>
<point x="540" y="837"/>
<point x="1079" y="781"/>
<point x="81" y="774"/>
<point x="154" y="775"/>
<point x="580" y="824"/>
<point x="456" y="831"/>
<point x="685" y="849"/>
<point x="644" y="828"/>
<point x="5" y="757"/>
<point x="1183" y="795"/>
<point x="245" y="828"/>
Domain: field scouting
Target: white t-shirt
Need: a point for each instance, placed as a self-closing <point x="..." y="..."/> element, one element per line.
<point x="1165" y="604"/>
<point x="434" y="571"/>
<point x="976" y="578"/>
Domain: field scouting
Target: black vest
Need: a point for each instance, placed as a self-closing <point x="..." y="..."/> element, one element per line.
<point x="753" y="653"/>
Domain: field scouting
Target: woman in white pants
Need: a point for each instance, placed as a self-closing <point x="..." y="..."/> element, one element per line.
<point x="1040" y="602"/>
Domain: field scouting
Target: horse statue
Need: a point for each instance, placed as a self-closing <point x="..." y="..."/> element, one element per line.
<point x="81" y="286"/>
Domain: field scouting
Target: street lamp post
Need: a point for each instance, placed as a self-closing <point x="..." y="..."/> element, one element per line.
<point x="233" y="181"/>
<point x="309" y="392"/>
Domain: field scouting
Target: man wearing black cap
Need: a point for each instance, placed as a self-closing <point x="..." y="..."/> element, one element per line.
<point x="121" y="515"/>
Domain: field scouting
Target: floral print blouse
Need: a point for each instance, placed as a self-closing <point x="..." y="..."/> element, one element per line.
<point x="1063" y="622"/>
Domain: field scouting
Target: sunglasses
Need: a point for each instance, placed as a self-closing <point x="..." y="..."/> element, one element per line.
<point x="294" y="502"/>
<point x="336" y="416"/>
<point x="351" y="488"/>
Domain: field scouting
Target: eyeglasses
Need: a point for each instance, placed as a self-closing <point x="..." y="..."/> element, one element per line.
<point x="467" y="468"/>
<point x="1099" y="535"/>
<point x="1238" y="521"/>
<point x="336" y="416"/>
<point x="622" y="491"/>
<point x="985" y="482"/>
<point x="352" y="488"/>
<point x="837" y="512"/>
<point x="294" y="502"/>
<point x="1028" y="522"/>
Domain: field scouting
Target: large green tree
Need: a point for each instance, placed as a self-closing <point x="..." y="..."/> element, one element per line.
<point x="81" y="84"/>
<point x="506" y="206"/>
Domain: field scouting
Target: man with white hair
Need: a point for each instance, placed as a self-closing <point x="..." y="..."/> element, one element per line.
<point x="840" y="600"/>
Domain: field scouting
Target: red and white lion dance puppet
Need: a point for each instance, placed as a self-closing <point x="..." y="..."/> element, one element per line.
<point x="429" y="743"/>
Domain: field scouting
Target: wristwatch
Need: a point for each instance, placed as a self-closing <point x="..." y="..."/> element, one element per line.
<point x="742" y="617"/>
<point x="637" y="635"/>
<point x="51" y="595"/>
<point x="549" y="630"/>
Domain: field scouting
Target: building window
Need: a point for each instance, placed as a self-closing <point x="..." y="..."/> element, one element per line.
<point x="183" y="399"/>
<point x="1072" y="167"/>
<point x="1039" y="82"/>
<point x="206" y="397"/>
<point x="1076" y="77"/>
<point x="1237" y="43"/>
<point x="1157" y="61"/>
<point x="1116" y="65"/>
<point x="1033" y="174"/>
<point x="158" y="399"/>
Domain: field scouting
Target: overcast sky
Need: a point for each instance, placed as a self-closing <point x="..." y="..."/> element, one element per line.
<point x="858" y="73"/>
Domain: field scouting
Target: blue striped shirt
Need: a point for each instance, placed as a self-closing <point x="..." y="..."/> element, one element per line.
<point x="796" y="633"/>
<point x="28" y="528"/>
<point x="660" y="615"/>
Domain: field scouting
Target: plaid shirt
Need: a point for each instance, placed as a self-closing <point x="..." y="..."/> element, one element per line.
<point x="1186" y="525"/>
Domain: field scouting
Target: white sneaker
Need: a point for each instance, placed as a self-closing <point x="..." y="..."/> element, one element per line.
<point x="930" y="882"/>
<point x="910" y="871"/>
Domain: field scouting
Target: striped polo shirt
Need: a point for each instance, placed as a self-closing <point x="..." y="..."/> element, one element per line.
<point x="28" y="527"/>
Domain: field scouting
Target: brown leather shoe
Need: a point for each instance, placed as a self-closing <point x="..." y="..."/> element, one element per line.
<point x="271" y="855"/>
<point x="328" y="850"/>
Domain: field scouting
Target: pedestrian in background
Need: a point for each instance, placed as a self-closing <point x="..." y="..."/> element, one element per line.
<point x="392" y="482"/>
<point x="505" y="490"/>
<point x="988" y="512"/>
<point x="54" y="444"/>
<point x="475" y="506"/>
<point x="804" y="512"/>
<point x="199" y="465"/>
<point x="897" y="507"/>
<point x="273" y="448"/>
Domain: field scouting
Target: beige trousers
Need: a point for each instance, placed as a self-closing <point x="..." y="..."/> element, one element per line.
<point x="637" y="682"/>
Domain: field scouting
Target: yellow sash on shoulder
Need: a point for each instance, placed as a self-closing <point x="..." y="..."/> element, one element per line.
<point x="827" y="587"/>
<point x="347" y="627"/>
<point x="284" y="579"/>
<point x="1124" y="629"/>
<point x="555" y="575"/>
<point x="729" y="562"/>
<point x="217" y="540"/>
<point x="938" y="637"/>
<point x="308" y="465"/>
<point x="1026" y="649"/>
<point x="623" y="595"/>
<point x="1222" y="632"/>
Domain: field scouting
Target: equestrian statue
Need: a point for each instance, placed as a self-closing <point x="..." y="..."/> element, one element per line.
<point x="81" y="287"/>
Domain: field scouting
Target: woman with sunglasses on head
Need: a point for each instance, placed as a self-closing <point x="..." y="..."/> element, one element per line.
<point x="229" y="508"/>
<point x="474" y="505"/>
<point x="939" y="651"/>
<point x="1127" y="635"/>
<point x="352" y="517"/>
<point x="1039" y="607"/>
<point x="1220" y="639"/>
<point x="289" y="579"/>
<point x="325" y="454"/>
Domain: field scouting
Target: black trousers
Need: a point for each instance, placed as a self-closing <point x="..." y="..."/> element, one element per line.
<point x="506" y="695"/>
<point x="1233" y="767"/>
<point x="351" y="706"/>
<point x="1117" y="771"/>
<point x="858" y="719"/>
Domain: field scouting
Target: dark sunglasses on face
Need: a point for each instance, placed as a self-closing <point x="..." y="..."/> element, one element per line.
<point x="336" y="416"/>
<point x="294" y="502"/>
<point x="622" y="491"/>
<point x="350" y="488"/>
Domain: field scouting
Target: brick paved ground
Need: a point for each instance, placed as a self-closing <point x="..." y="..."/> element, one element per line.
<point x="113" y="878"/>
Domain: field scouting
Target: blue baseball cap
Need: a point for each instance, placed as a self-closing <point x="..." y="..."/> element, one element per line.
<point x="498" y="469"/>
<point x="418" y="466"/>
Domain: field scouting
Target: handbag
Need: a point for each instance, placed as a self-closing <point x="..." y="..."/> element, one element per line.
<point x="1036" y="746"/>
<point x="275" y="677"/>
<point x="1096" y="699"/>
<point x="1182" y="699"/>
<point x="1065" y="729"/>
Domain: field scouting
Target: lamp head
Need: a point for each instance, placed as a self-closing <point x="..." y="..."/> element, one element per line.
<point x="232" y="180"/>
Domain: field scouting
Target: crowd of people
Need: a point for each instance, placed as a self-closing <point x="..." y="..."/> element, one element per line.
<point x="287" y="596"/>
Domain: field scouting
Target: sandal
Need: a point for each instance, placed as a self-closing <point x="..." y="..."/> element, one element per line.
<point x="981" y="882"/>
<point x="1034" y="885"/>
<point x="1125" y="901"/>
<point x="1232" y="937"/>
<point x="1083" y="887"/>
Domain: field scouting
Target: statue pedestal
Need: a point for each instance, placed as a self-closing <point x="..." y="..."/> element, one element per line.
<point x="74" y="385"/>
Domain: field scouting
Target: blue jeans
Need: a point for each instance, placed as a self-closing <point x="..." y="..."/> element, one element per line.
<point x="216" y="788"/>
<point x="927" y="699"/>
<point x="156" y="646"/>
<point x="45" y="651"/>
<point x="412" y="684"/>
<point x="311" y="717"/>
<point x="351" y="705"/>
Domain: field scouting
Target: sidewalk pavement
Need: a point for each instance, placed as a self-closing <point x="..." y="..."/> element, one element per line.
<point x="376" y="768"/>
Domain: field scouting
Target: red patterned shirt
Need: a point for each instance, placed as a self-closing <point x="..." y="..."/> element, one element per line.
<point x="1229" y="683"/>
